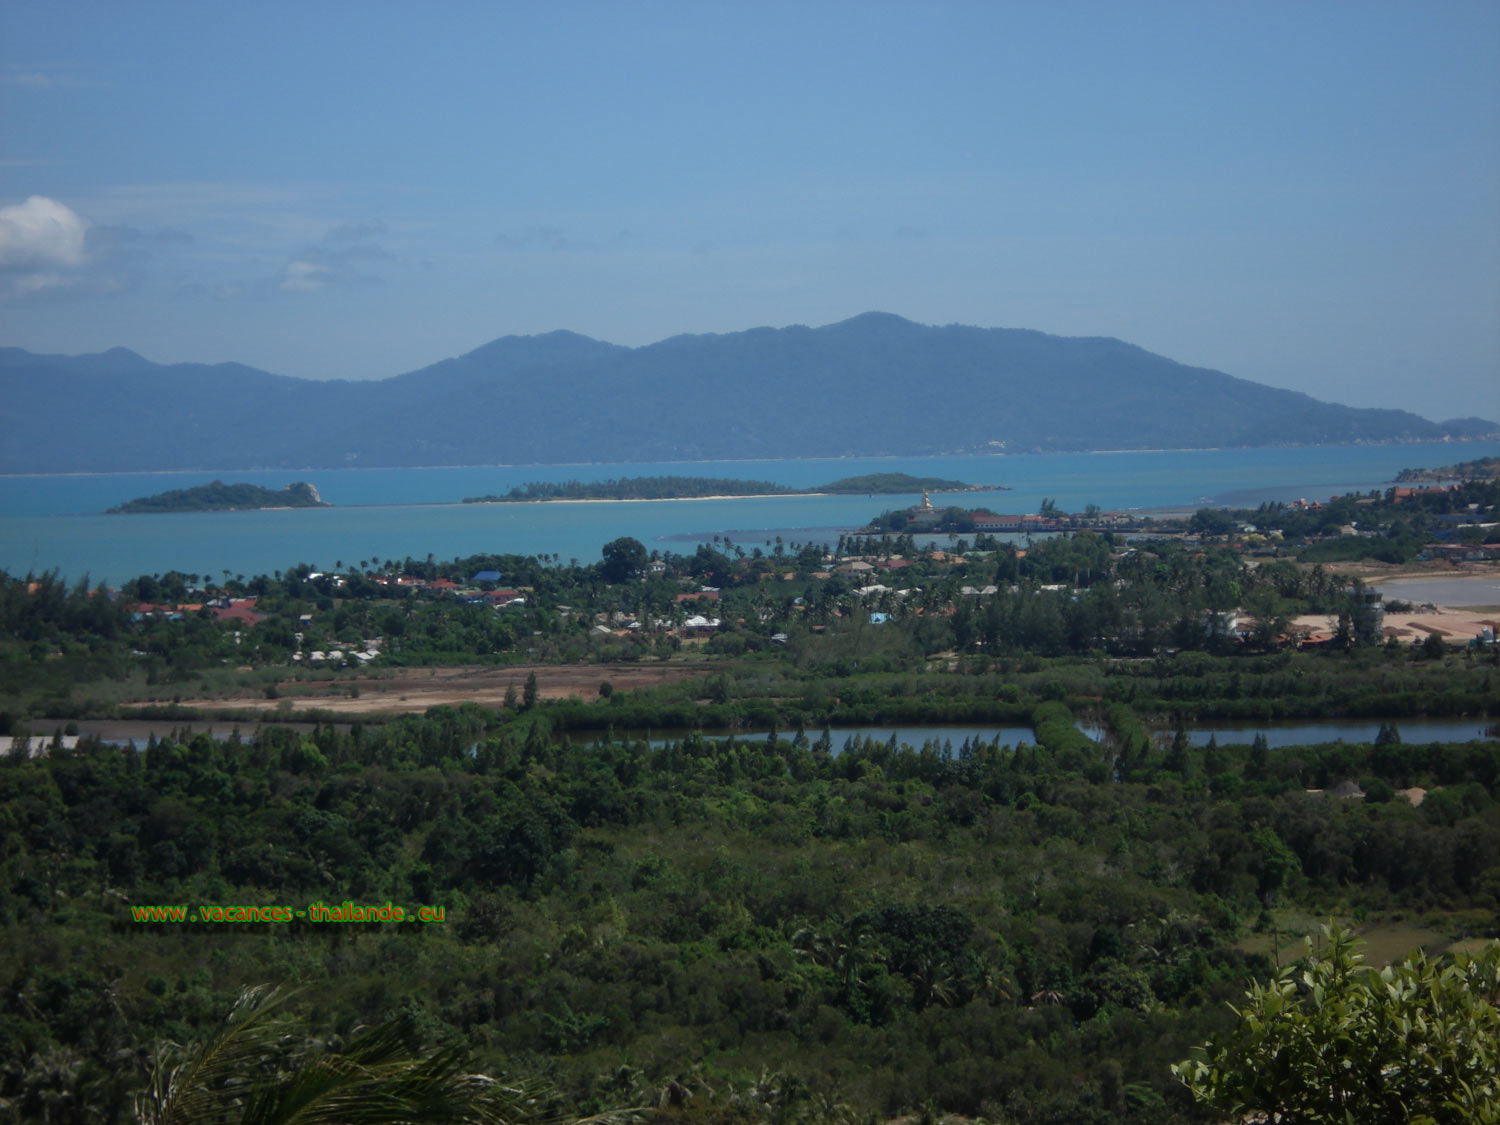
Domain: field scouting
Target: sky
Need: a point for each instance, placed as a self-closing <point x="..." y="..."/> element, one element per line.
<point x="1303" y="194"/>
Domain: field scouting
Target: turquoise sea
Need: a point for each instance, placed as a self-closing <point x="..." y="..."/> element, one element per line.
<point x="55" y="522"/>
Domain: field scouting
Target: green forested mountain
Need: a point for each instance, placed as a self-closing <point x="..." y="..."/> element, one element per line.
<point x="872" y="385"/>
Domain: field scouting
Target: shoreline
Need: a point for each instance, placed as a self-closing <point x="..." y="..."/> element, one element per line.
<point x="945" y="455"/>
<point x="650" y="499"/>
<point x="731" y="496"/>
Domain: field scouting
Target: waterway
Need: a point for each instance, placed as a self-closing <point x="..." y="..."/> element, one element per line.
<point x="1278" y="733"/>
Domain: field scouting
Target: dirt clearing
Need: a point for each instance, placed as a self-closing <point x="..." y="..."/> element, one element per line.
<point x="398" y="691"/>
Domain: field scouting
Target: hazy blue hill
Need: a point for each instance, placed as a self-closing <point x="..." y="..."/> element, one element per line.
<point x="874" y="384"/>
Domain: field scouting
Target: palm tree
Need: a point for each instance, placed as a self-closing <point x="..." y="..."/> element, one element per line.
<point x="261" y="1069"/>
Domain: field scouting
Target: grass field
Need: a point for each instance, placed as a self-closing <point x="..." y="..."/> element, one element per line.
<point x="1386" y="940"/>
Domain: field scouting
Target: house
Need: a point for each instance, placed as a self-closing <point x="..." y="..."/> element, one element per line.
<point x="244" y="614"/>
<point x="992" y="522"/>
<point x="486" y="576"/>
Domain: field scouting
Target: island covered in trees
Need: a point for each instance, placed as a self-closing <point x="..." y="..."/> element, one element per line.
<point x="221" y="497"/>
<point x="697" y="488"/>
<point x="901" y="482"/>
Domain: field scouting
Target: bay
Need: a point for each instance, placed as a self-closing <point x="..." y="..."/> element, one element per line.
<point x="53" y="523"/>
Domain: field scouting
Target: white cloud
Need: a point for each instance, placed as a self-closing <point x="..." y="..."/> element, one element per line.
<point x="48" y="250"/>
<point x="318" y="267"/>
<point x="41" y="234"/>
<point x="305" y="277"/>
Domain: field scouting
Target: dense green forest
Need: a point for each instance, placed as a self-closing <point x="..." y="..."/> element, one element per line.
<point x="220" y="497"/>
<point x="789" y="925"/>
<point x="1028" y="934"/>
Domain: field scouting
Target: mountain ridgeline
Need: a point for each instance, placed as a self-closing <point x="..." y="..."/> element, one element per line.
<point x="870" y="386"/>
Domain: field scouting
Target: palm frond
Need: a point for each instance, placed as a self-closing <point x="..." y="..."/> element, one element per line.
<point x="191" y="1087"/>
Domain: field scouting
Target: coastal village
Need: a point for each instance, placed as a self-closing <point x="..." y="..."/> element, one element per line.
<point x="883" y="578"/>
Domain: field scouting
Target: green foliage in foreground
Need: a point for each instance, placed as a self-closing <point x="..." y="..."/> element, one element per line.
<point x="977" y="929"/>
<point x="1333" y="1040"/>
<point x="263" y="1068"/>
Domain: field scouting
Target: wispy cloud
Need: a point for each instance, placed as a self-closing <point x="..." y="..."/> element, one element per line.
<point x="249" y="241"/>
<point x="318" y="268"/>
<point x="545" y="237"/>
<point x="44" y="77"/>
<point x="354" y="232"/>
<point x="250" y="214"/>
<point x="108" y="239"/>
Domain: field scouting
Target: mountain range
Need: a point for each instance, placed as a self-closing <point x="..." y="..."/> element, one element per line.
<point x="870" y="386"/>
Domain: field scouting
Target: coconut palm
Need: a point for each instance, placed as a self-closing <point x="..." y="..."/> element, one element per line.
<point x="260" y="1070"/>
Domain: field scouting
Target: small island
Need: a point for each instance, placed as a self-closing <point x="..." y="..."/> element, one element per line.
<point x="1485" y="468"/>
<point x="633" y="488"/>
<point x="221" y="497"/>
<point x="702" y="488"/>
<point x="900" y="483"/>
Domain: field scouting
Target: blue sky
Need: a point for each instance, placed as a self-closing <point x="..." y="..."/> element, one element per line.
<point x="1307" y="195"/>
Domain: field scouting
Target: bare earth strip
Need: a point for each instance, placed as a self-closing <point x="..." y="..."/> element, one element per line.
<point x="412" y="690"/>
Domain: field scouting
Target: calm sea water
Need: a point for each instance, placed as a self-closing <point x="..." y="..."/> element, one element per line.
<point x="54" y="522"/>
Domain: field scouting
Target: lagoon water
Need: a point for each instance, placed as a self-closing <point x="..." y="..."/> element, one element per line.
<point x="53" y="523"/>
<point x="1279" y="733"/>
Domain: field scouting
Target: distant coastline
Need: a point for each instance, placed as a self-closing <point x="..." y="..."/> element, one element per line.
<point x="716" y="488"/>
<point x="1483" y="468"/>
